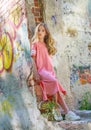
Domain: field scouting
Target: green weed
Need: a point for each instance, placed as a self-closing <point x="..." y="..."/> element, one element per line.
<point x="85" y="103"/>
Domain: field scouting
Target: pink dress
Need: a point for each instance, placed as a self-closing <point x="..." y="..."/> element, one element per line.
<point x="49" y="82"/>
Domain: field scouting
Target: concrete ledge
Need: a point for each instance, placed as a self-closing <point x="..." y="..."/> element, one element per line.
<point x="83" y="113"/>
<point x="75" y="125"/>
<point x="83" y="124"/>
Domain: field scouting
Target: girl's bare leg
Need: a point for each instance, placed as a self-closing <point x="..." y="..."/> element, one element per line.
<point x="62" y="103"/>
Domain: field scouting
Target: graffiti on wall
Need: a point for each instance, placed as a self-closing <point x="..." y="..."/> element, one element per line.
<point x="6" y="52"/>
<point x="81" y="75"/>
<point x="8" y="39"/>
<point x="16" y="16"/>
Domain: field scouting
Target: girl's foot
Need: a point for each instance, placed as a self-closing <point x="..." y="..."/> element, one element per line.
<point x="71" y="116"/>
<point x="57" y="115"/>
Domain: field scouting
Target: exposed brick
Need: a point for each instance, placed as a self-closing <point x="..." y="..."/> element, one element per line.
<point x="36" y="14"/>
<point x="36" y="4"/>
<point x="35" y="1"/>
<point x="35" y="19"/>
<point x="39" y="19"/>
<point x="32" y="9"/>
<point x="37" y="9"/>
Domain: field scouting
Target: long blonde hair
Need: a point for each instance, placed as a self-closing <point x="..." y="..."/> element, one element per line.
<point x="49" y="41"/>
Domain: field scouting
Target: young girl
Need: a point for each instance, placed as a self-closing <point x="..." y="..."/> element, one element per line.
<point x="42" y="50"/>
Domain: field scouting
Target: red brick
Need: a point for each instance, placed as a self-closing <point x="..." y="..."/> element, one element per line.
<point x="39" y="19"/>
<point x="35" y="0"/>
<point x="36" y="14"/>
<point x="37" y="9"/>
<point x="36" y="4"/>
<point x="36" y="19"/>
<point x="32" y="9"/>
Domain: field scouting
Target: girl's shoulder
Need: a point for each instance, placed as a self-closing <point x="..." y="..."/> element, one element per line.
<point x="34" y="43"/>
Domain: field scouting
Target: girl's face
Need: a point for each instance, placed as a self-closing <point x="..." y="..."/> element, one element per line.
<point x="41" y="32"/>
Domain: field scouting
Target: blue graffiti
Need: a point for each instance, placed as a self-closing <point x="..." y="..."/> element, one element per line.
<point x="53" y="18"/>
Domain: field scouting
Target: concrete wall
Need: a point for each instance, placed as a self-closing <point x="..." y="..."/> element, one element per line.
<point x="69" y="23"/>
<point x="18" y="107"/>
<point x="15" y="99"/>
